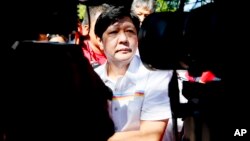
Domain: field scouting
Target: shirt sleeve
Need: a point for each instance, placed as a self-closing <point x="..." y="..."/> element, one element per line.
<point x="156" y="104"/>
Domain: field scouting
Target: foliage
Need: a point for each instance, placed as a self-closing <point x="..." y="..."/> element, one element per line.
<point x="167" y="5"/>
<point x="81" y="9"/>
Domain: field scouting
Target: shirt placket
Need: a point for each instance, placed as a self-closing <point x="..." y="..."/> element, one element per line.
<point x="116" y="111"/>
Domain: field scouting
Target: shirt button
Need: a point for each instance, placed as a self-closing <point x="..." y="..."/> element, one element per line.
<point x="115" y="108"/>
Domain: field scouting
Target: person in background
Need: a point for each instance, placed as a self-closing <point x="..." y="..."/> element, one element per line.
<point x="91" y="43"/>
<point x="142" y="8"/>
<point x="57" y="38"/>
<point x="140" y="107"/>
<point x="52" y="38"/>
<point x="42" y="37"/>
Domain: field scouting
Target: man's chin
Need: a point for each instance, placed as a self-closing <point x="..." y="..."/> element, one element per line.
<point x="124" y="58"/>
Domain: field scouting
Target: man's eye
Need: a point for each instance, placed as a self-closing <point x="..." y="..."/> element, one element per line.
<point x="112" y="32"/>
<point x="139" y="14"/>
<point x="131" y="31"/>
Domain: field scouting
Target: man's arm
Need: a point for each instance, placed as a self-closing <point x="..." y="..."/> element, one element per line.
<point x="149" y="131"/>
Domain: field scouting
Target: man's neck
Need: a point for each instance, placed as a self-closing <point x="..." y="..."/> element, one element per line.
<point x="115" y="71"/>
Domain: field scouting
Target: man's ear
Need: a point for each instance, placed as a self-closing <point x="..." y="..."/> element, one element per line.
<point x="100" y="43"/>
<point x="85" y="30"/>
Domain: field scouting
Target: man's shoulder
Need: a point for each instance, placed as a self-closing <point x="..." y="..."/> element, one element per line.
<point x="161" y="73"/>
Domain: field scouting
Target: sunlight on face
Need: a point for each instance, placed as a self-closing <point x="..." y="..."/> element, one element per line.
<point x="92" y="36"/>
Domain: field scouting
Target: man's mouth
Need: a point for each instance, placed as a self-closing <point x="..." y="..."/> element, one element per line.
<point x="124" y="49"/>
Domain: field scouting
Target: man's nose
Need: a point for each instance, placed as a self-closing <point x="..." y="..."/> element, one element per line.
<point x="142" y="17"/>
<point x="123" y="37"/>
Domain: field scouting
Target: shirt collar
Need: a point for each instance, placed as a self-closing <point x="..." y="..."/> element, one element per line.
<point x="130" y="74"/>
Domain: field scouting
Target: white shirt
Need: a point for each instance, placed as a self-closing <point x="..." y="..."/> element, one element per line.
<point x="141" y="94"/>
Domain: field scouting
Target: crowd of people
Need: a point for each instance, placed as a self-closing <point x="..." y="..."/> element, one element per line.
<point x="140" y="105"/>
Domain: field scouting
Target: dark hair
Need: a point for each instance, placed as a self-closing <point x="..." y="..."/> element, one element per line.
<point x="112" y="15"/>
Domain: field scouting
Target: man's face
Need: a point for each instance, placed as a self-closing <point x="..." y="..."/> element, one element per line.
<point x="120" y="41"/>
<point x="142" y="12"/>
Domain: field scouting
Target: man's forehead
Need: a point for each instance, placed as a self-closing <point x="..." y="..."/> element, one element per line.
<point x="123" y="21"/>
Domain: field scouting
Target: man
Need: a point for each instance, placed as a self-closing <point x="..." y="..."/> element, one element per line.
<point x="140" y="107"/>
<point x="91" y="43"/>
<point x="142" y="8"/>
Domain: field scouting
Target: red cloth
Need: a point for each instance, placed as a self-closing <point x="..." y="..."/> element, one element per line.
<point x="206" y="76"/>
<point x="92" y="56"/>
